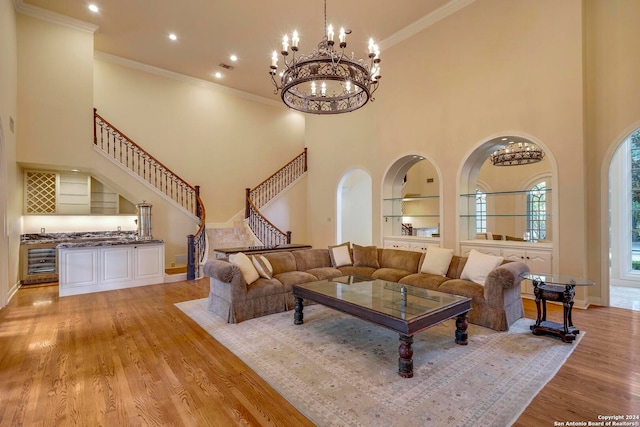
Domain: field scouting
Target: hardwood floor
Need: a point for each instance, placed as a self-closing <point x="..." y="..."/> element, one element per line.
<point x="130" y="357"/>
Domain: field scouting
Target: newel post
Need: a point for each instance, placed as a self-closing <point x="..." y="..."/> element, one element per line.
<point x="246" y="200"/>
<point x="191" y="257"/>
<point x="288" y="237"/>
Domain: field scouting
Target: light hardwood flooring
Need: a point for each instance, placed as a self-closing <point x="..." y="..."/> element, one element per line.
<point x="130" y="357"/>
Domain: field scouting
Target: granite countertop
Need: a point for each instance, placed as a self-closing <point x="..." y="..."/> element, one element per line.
<point x="86" y="239"/>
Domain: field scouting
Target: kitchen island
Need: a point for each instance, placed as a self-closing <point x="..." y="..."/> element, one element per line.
<point x="103" y="261"/>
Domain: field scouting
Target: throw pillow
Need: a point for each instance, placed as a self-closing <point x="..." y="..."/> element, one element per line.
<point x="365" y="256"/>
<point x="340" y="255"/>
<point x="263" y="266"/>
<point x="479" y="266"/>
<point x="436" y="261"/>
<point x="246" y="267"/>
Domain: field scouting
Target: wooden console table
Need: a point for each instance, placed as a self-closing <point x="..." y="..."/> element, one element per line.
<point x="253" y="250"/>
<point x="559" y="288"/>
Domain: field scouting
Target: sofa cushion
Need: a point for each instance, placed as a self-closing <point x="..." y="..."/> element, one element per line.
<point x="291" y="278"/>
<point x="281" y="261"/>
<point x="424" y="280"/>
<point x="340" y="255"/>
<point x="249" y="272"/>
<point x="312" y="258"/>
<point x="400" y="260"/>
<point x="479" y="265"/>
<point x="323" y="273"/>
<point x="263" y="266"/>
<point x="390" y="274"/>
<point x="350" y="270"/>
<point x="365" y="256"/>
<point x="464" y="288"/>
<point x="264" y="287"/>
<point x="436" y="260"/>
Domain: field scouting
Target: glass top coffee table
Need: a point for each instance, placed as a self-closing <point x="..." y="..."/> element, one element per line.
<point x="402" y="308"/>
<point x="559" y="288"/>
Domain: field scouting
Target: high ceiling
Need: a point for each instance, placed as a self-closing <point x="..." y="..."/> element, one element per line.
<point x="209" y="31"/>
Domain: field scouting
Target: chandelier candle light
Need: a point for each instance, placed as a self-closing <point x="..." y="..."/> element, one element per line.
<point x="517" y="153"/>
<point x="326" y="81"/>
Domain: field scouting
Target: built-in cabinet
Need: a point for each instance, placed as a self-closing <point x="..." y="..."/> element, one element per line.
<point x="537" y="256"/>
<point x="410" y="243"/>
<point x="70" y="193"/>
<point x="93" y="269"/>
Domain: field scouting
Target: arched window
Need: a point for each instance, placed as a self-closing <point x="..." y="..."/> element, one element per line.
<point x="537" y="211"/>
<point x="481" y="211"/>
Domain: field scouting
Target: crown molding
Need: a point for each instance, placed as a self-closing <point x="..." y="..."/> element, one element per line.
<point x="107" y="57"/>
<point x="55" y="18"/>
<point x="423" y="23"/>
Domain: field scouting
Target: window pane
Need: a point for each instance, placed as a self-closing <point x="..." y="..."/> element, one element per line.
<point x="536" y="211"/>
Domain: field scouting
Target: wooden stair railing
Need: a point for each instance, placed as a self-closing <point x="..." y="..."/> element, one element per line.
<point x="262" y="228"/>
<point x="121" y="149"/>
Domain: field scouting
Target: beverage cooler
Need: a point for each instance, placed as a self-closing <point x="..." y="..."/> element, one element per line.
<point x="39" y="264"/>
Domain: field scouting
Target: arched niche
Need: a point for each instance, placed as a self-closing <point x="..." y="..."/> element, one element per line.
<point x="411" y="201"/>
<point x="355" y="208"/>
<point x="507" y="193"/>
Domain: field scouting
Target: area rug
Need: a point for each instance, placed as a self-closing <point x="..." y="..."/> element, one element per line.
<point x="341" y="371"/>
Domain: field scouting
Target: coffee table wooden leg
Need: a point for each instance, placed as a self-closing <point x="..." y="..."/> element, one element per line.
<point x="462" y="324"/>
<point x="298" y="318"/>
<point x="405" y="361"/>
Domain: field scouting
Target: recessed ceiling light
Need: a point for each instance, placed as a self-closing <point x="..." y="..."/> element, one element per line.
<point x="173" y="37"/>
<point x="217" y="75"/>
<point x="234" y="58"/>
<point x="93" y="8"/>
<point x="75" y="170"/>
<point x="505" y="138"/>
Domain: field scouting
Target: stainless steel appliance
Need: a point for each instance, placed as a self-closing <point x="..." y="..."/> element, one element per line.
<point x="39" y="263"/>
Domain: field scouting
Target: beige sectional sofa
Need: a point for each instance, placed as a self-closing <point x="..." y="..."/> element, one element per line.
<point x="496" y="304"/>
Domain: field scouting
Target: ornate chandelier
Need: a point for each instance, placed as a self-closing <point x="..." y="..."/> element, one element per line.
<point x="326" y="81"/>
<point x="517" y="153"/>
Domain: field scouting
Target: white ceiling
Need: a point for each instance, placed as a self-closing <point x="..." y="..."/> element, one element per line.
<point x="209" y="31"/>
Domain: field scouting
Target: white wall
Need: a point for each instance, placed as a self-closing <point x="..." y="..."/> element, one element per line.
<point x="222" y="142"/>
<point x="612" y="40"/>
<point x="10" y="201"/>
<point x="451" y="87"/>
<point x="208" y="135"/>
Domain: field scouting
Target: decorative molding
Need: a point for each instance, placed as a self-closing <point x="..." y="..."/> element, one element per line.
<point x="107" y="57"/>
<point x="55" y="18"/>
<point x="423" y="23"/>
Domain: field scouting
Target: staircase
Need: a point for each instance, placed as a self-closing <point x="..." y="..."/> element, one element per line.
<point x="256" y="198"/>
<point x="120" y="149"/>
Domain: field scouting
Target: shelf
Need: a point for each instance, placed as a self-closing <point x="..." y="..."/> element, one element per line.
<point x="411" y="216"/>
<point x="503" y="215"/>
<point x="506" y="193"/>
<point x="410" y="199"/>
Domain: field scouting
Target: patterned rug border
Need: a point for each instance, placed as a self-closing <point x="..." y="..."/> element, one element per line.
<point x="382" y="391"/>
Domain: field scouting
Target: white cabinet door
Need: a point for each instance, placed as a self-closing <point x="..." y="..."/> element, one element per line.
<point x="464" y="250"/>
<point x="396" y="244"/>
<point x="149" y="262"/>
<point x="538" y="262"/>
<point x="78" y="268"/>
<point x="515" y="254"/>
<point x="117" y="264"/>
